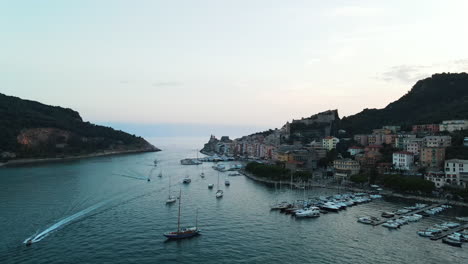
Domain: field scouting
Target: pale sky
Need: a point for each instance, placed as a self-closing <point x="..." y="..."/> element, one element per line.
<point x="247" y="63"/>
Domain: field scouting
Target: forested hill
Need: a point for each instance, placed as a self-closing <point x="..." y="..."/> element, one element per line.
<point x="29" y="129"/>
<point x="432" y="100"/>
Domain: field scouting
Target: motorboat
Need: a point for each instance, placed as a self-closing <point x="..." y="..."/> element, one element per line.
<point x="308" y="212"/>
<point x="210" y="186"/>
<point x="450" y="224"/>
<point x="187" y="180"/>
<point x="391" y="225"/>
<point x="451" y="242"/>
<point x="365" y="220"/>
<point x="219" y="193"/>
<point x="425" y="233"/>
<point x="330" y="206"/>
<point x="388" y="214"/>
<point x="227" y="182"/>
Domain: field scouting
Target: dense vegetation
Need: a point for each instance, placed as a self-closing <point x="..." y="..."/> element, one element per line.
<point x="16" y="115"/>
<point x="275" y="172"/>
<point x="408" y="184"/>
<point x="432" y="100"/>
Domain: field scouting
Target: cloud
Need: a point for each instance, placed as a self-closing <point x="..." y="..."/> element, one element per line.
<point x="404" y="73"/>
<point x="356" y="11"/>
<point x="412" y="73"/>
<point x="166" y="84"/>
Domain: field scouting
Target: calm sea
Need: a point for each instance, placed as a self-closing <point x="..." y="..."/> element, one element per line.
<point x="103" y="210"/>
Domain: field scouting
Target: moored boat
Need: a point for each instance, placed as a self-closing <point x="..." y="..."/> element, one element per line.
<point x="184" y="232"/>
<point x="451" y="242"/>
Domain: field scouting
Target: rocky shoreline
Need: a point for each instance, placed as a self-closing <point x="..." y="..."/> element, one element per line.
<point x="337" y="187"/>
<point x="19" y="162"/>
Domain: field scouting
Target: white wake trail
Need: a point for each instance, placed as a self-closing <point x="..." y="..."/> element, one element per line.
<point x="38" y="237"/>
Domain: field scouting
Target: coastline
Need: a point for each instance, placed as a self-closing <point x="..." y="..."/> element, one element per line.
<point x="354" y="189"/>
<point x="19" y="162"/>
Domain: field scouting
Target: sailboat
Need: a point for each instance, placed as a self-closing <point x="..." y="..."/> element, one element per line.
<point x="170" y="198"/>
<point x="219" y="192"/>
<point x="184" y="232"/>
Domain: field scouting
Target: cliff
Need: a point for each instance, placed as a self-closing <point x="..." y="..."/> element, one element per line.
<point x="31" y="130"/>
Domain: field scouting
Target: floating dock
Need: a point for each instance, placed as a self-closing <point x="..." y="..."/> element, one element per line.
<point x="409" y="213"/>
<point x="450" y="231"/>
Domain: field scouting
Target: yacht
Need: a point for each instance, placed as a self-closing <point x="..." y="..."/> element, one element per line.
<point x="330" y="206"/>
<point x="187" y="180"/>
<point x="308" y="212"/>
<point x="183" y="232"/>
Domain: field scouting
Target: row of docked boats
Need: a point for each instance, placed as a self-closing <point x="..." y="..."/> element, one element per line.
<point x="314" y="206"/>
<point x="437" y="229"/>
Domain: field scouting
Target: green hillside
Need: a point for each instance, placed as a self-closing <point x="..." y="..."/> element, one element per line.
<point x="30" y="129"/>
<point x="440" y="97"/>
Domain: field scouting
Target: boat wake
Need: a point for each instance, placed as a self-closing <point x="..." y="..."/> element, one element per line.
<point x="131" y="177"/>
<point x="39" y="236"/>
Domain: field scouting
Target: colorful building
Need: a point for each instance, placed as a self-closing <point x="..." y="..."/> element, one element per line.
<point x="427" y="128"/>
<point x="329" y="143"/>
<point x="432" y="157"/>
<point x="456" y="172"/>
<point x="355" y="150"/>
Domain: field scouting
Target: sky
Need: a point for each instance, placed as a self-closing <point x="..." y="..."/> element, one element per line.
<point x="250" y="64"/>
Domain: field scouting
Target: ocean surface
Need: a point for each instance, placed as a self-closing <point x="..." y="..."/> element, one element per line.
<point x="103" y="210"/>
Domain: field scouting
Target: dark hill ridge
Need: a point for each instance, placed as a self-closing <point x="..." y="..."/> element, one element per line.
<point x="29" y="129"/>
<point x="432" y="100"/>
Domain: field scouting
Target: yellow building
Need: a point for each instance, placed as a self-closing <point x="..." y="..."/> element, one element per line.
<point x="329" y="143"/>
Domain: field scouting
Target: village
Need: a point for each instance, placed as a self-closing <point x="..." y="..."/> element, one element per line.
<point x="315" y="146"/>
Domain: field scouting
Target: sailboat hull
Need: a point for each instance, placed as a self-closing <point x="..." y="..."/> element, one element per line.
<point x="182" y="234"/>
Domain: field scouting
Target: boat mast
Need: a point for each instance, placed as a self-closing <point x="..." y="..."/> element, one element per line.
<point x="218" y="180"/>
<point x="178" y="218"/>
<point x="196" y="220"/>
<point x="169" y="189"/>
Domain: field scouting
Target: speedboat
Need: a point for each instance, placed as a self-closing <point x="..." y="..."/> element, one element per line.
<point x="187" y="180"/>
<point x="451" y="242"/>
<point x="365" y="220"/>
<point x="210" y="186"/>
<point x="219" y="193"/>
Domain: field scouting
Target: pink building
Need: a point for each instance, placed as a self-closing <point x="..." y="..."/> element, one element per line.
<point x="430" y="128"/>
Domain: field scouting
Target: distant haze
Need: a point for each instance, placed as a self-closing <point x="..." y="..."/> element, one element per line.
<point x="247" y="64"/>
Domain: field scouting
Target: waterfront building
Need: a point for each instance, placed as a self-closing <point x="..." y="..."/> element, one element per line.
<point x="329" y="143"/>
<point x="426" y="128"/>
<point x="437" y="177"/>
<point x="348" y="166"/>
<point x="432" y="157"/>
<point x="355" y="150"/>
<point x="383" y="131"/>
<point x="456" y="172"/>
<point x="403" y="160"/>
<point x="453" y="125"/>
<point x="437" y="141"/>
